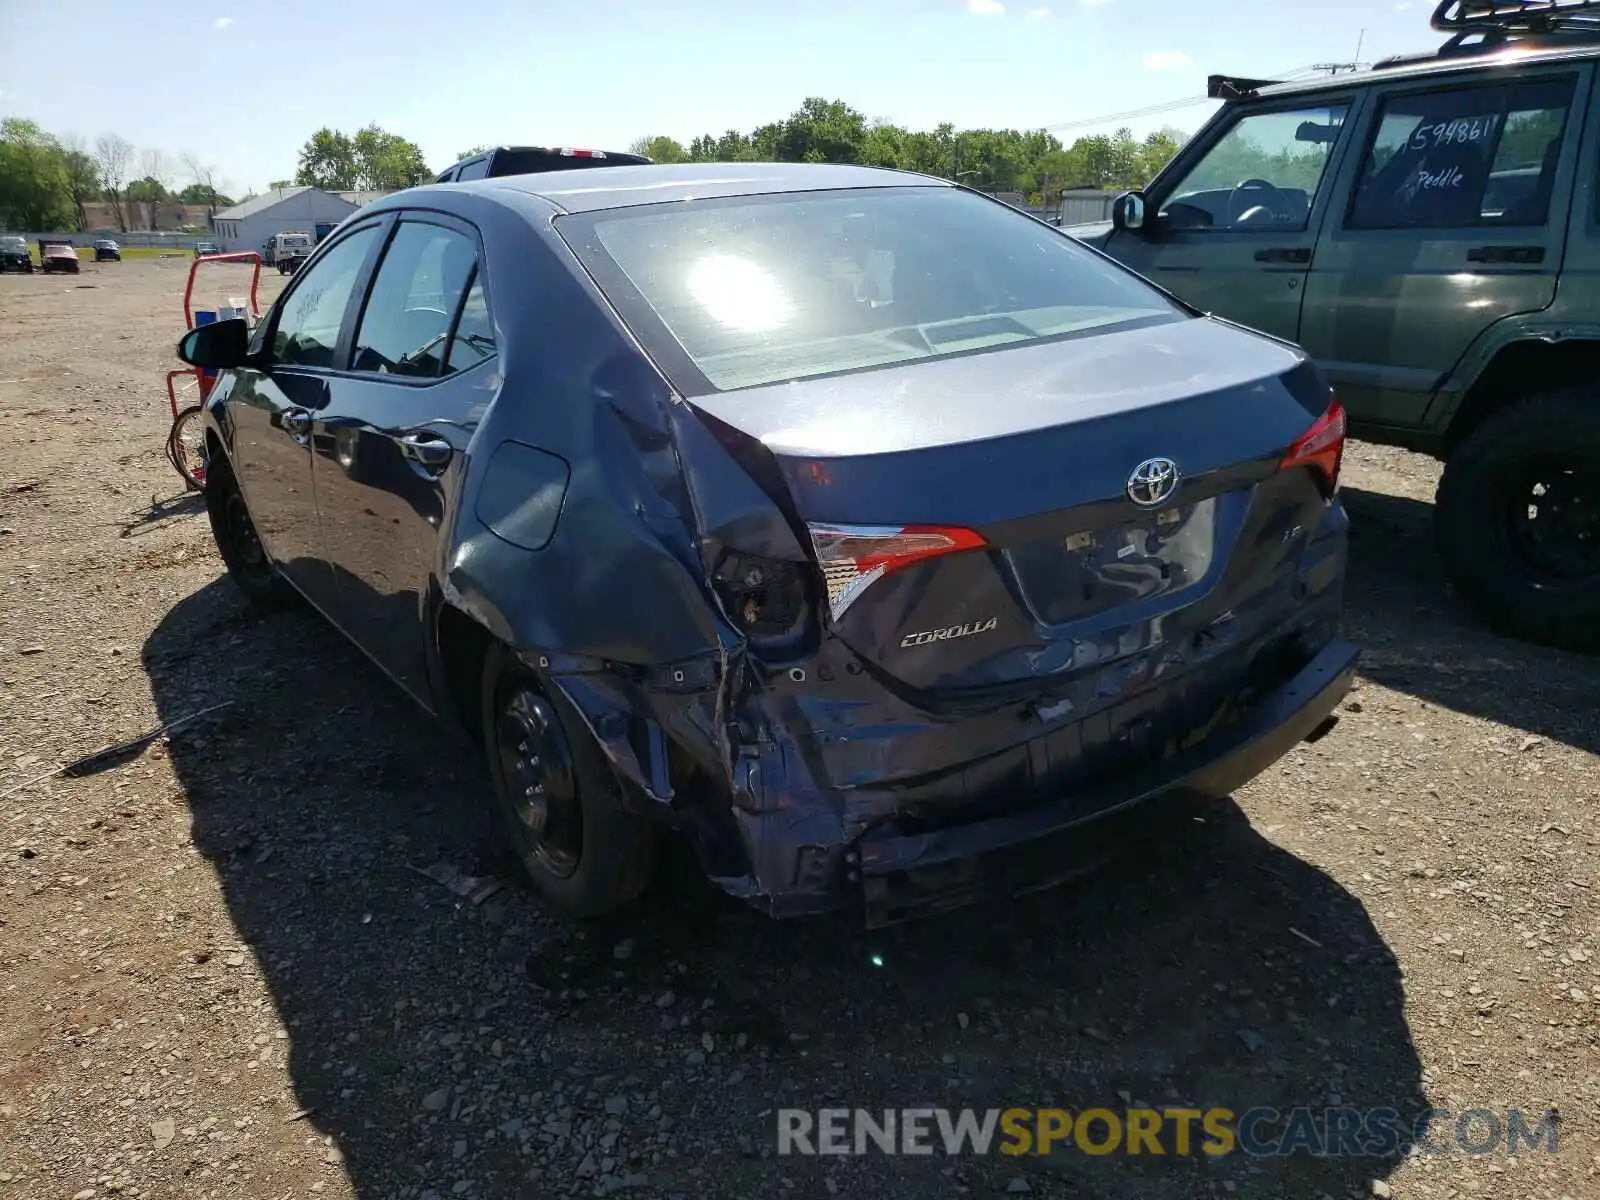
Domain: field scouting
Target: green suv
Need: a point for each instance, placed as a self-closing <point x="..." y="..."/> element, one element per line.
<point x="1429" y="231"/>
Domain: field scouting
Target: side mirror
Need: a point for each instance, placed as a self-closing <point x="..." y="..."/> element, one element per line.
<point x="219" y="346"/>
<point x="1127" y="211"/>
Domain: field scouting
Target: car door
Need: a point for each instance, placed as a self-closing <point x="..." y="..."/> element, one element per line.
<point x="391" y="438"/>
<point x="271" y="408"/>
<point x="1458" y="203"/>
<point x="1237" y="216"/>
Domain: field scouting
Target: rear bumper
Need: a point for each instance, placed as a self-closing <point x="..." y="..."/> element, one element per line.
<point x="901" y="876"/>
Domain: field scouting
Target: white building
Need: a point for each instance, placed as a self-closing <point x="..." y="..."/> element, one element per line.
<point x="246" y="226"/>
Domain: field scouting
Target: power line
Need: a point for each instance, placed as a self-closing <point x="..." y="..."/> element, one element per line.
<point x="1154" y="110"/>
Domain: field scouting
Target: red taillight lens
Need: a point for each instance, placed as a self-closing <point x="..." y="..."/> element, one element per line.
<point x="1321" y="447"/>
<point x="854" y="557"/>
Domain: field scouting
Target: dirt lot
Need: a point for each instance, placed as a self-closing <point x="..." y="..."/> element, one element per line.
<point x="221" y="976"/>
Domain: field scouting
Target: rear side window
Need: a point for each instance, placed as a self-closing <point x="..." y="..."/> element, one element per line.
<point x="474" y="337"/>
<point x="478" y="168"/>
<point x="412" y="306"/>
<point x="1464" y="157"/>
<point x="761" y="289"/>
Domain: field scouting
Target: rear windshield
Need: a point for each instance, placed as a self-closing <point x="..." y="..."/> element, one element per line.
<point x="762" y="289"/>
<point x="529" y="161"/>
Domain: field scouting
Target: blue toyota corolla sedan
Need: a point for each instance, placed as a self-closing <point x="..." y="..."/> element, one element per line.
<point x="860" y="528"/>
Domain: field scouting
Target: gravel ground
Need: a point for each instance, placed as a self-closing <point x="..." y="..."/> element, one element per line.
<point x="222" y="975"/>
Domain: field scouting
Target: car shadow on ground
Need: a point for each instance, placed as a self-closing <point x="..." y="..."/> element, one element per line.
<point x="437" y="1041"/>
<point x="1418" y="637"/>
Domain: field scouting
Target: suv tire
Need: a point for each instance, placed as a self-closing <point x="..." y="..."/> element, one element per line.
<point x="1517" y="519"/>
<point x="580" y="846"/>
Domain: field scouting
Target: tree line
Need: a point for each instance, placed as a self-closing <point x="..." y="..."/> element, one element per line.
<point x="1034" y="163"/>
<point x="47" y="180"/>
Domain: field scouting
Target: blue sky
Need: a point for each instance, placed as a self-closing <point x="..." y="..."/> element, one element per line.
<point x="244" y="87"/>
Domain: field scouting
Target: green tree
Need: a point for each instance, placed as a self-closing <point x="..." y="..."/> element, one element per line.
<point x="327" y="161"/>
<point x="201" y="193"/>
<point x="35" y="189"/>
<point x="370" y="160"/>
<point x="83" y="179"/>
<point x="660" y="148"/>
<point x="146" y="190"/>
<point x="1033" y="162"/>
<point x="387" y="162"/>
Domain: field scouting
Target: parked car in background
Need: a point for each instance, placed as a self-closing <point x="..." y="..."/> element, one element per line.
<point x="57" y="256"/>
<point x="1426" y="230"/>
<point x="106" y="250"/>
<point x="525" y="160"/>
<point x="14" y="254"/>
<point x="865" y="530"/>
<point x="203" y="248"/>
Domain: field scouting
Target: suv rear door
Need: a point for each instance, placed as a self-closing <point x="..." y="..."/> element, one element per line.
<point x="1236" y="215"/>
<point x="1451" y="216"/>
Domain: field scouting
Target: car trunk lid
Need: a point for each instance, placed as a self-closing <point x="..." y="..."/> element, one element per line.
<point x="978" y="521"/>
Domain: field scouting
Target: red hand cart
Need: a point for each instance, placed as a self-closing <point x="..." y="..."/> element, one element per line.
<point x="186" y="442"/>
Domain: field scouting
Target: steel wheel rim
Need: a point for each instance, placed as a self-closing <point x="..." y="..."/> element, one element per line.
<point x="540" y="786"/>
<point x="1553" y="520"/>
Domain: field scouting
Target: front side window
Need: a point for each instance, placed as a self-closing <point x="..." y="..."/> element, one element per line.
<point x="309" y="316"/>
<point x="414" y="298"/>
<point x="769" y="288"/>
<point x="1262" y="175"/>
<point x="1464" y="157"/>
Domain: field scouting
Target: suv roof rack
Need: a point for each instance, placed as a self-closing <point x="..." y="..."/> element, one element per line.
<point x="1485" y="26"/>
<point x="1234" y="87"/>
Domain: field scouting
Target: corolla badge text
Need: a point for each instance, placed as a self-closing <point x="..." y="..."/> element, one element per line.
<point x="949" y="634"/>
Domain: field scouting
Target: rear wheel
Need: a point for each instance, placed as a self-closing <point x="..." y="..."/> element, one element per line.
<point x="238" y="543"/>
<point x="1517" y="519"/>
<point x="558" y="798"/>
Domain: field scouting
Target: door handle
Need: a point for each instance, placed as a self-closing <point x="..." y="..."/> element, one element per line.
<point x="427" y="450"/>
<point x="297" y="424"/>
<point x="1284" y="254"/>
<point x="1506" y="254"/>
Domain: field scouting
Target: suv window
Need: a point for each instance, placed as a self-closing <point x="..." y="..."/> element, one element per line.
<point x="477" y="168"/>
<point x="1263" y="174"/>
<point x="414" y="297"/>
<point x="1463" y="157"/>
<point x="309" y="316"/>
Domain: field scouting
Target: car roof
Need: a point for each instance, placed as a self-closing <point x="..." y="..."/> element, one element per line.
<point x="1429" y="67"/>
<point x="599" y="188"/>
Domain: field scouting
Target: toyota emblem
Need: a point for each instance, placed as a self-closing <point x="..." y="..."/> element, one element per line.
<point x="1153" y="481"/>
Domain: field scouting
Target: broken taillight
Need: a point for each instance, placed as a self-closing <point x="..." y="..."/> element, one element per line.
<point x="854" y="557"/>
<point x="1321" y="448"/>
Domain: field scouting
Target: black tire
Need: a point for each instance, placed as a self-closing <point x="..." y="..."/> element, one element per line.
<point x="1517" y="519"/>
<point x="590" y="855"/>
<point x="242" y="552"/>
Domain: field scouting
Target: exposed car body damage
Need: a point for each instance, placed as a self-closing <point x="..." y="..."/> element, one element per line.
<point x="650" y="550"/>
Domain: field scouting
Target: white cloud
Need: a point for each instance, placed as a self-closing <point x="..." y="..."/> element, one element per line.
<point x="1165" y="60"/>
<point x="1401" y="7"/>
<point x="985" y="8"/>
<point x="222" y="22"/>
<point x="1093" y="3"/>
<point x="1038" y="13"/>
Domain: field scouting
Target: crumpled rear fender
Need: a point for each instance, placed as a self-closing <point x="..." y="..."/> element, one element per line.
<point x="617" y="611"/>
